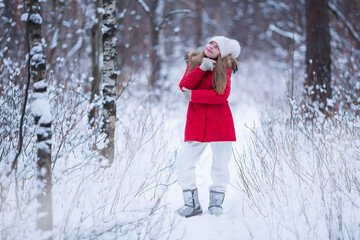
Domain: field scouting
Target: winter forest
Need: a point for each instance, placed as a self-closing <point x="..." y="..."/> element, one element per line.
<point x="92" y="119"/>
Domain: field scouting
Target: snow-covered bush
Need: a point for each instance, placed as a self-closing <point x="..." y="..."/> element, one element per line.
<point x="90" y="199"/>
<point x="302" y="179"/>
<point x="16" y="177"/>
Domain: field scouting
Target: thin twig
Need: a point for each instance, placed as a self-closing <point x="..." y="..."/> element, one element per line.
<point x="21" y="138"/>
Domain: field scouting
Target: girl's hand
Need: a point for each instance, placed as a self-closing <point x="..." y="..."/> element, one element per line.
<point x="207" y="64"/>
<point x="187" y="93"/>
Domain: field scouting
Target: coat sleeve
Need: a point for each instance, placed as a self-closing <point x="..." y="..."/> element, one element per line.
<point x="191" y="80"/>
<point x="210" y="96"/>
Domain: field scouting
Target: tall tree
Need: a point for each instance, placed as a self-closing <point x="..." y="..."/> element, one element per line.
<point x="318" y="55"/>
<point x="157" y="13"/>
<point x="199" y="6"/>
<point x="42" y="115"/>
<point x="109" y="76"/>
<point x="95" y="57"/>
<point x="158" y="19"/>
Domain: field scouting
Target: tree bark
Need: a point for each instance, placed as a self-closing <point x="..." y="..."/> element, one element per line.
<point x="199" y="23"/>
<point x="109" y="77"/>
<point x="41" y="110"/>
<point x="318" y="55"/>
<point x="95" y="57"/>
<point x="157" y="11"/>
<point x="154" y="58"/>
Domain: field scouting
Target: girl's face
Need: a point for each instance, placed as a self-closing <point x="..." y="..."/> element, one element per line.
<point x="212" y="50"/>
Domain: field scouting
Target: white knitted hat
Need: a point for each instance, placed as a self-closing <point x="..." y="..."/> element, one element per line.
<point x="227" y="46"/>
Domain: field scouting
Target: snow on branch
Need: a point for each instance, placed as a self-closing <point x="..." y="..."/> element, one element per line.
<point x="185" y="11"/>
<point x="41" y="84"/>
<point x="37" y="55"/>
<point x="36" y="18"/>
<point x="24" y="17"/>
<point x="292" y="35"/>
<point x="172" y="13"/>
<point x="75" y="48"/>
<point x="40" y="107"/>
<point x="348" y="25"/>
<point x="144" y="6"/>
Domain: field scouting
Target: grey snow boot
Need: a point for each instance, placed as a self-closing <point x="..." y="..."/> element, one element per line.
<point x="216" y="200"/>
<point x="191" y="204"/>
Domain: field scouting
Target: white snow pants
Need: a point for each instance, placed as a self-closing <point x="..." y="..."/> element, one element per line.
<point x="189" y="155"/>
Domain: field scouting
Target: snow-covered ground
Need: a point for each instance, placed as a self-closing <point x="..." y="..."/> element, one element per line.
<point x="287" y="188"/>
<point x="287" y="182"/>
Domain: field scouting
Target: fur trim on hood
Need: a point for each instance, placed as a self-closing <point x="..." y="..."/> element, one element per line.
<point x="231" y="62"/>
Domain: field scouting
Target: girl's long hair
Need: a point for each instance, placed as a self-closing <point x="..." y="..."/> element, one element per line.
<point x="219" y="80"/>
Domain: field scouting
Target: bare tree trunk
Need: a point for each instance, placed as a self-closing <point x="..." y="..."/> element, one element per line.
<point x="318" y="55"/>
<point x="95" y="57"/>
<point x="199" y="23"/>
<point x="41" y="110"/>
<point x="157" y="10"/>
<point x="157" y="18"/>
<point x="109" y="76"/>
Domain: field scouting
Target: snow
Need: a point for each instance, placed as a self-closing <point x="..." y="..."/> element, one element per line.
<point x="75" y="48"/>
<point x="100" y="10"/>
<point x="104" y="29"/>
<point x="292" y="35"/>
<point x="284" y="184"/>
<point x="24" y="17"/>
<point x="41" y="107"/>
<point x="144" y="6"/>
<point x="41" y="84"/>
<point x="36" y="18"/>
<point x="37" y="56"/>
<point x="36" y="49"/>
<point x="55" y="38"/>
<point x="123" y="13"/>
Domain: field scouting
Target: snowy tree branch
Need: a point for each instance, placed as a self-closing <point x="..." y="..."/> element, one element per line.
<point x="145" y="7"/>
<point x="348" y="25"/>
<point x="172" y="13"/>
<point x="75" y="48"/>
<point x="272" y="28"/>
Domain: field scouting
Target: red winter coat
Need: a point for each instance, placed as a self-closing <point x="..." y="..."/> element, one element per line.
<point x="209" y="118"/>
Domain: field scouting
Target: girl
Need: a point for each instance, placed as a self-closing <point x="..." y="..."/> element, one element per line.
<point x="206" y="84"/>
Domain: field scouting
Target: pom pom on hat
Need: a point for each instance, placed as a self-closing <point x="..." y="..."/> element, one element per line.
<point x="227" y="46"/>
<point x="235" y="47"/>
